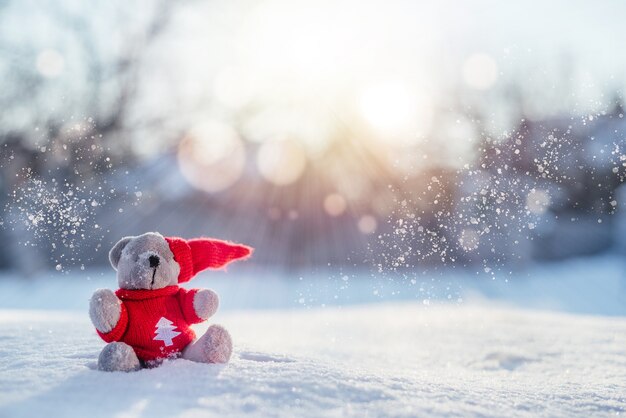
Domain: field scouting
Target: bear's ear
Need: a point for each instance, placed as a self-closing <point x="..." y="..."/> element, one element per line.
<point x="116" y="251"/>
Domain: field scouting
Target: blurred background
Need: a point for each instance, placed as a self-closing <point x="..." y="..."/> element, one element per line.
<point x="392" y="137"/>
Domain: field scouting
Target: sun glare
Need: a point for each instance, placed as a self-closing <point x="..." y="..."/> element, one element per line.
<point x="297" y="73"/>
<point x="388" y="107"/>
<point x="395" y="111"/>
<point x="319" y="58"/>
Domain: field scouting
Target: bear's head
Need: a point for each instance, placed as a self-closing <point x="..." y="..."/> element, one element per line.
<point x="144" y="262"/>
<point x="151" y="261"/>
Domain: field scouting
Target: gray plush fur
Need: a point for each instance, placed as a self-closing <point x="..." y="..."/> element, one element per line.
<point x="215" y="346"/>
<point x="118" y="357"/>
<point x="206" y="302"/>
<point x="104" y="310"/>
<point x="131" y="258"/>
<point x="116" y="251"/>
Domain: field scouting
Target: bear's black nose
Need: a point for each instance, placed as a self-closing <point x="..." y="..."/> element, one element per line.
<point x="154" y="261"/>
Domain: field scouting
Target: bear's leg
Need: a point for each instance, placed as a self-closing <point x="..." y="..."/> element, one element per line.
<point x="215" y="346"/>
<point x="118" y="357"/>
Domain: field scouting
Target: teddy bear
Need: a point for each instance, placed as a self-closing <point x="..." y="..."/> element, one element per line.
<point x="147" y="320"/>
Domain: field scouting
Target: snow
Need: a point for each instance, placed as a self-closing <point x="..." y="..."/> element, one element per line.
<point x="398" y="359"/>
<point x="344" y="346"/>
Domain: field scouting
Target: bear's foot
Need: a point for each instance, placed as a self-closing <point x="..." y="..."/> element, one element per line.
<point x="215" y="346"/>
<point x="118" y="357"/>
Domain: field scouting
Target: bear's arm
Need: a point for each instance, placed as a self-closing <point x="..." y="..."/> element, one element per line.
<point x="108" y="314"/>
<point x="198" y="305"/>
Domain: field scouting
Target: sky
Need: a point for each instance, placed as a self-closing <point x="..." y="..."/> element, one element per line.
<point x="536" y="42"/>
<point x="310" y="63"/>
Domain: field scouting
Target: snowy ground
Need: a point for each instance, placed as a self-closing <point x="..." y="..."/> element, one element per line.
<point x="387" y="359"/>
<point x="303" y="355"/>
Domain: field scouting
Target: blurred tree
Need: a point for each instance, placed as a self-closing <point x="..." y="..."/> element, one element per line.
<point x="68" y="84"/>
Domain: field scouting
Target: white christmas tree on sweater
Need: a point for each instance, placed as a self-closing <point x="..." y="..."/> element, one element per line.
<point x="165" y="331"/>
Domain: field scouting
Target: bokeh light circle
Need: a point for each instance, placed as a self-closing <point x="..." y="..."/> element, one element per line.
<point x="211" y="156"/>
<point x="480" y="71"/>
<point x="367" y="224"/>
<point x="50" y="63"/>
<point x="281" y="162"/>
<point x="538" y="201"/>
<point x="335" y="204"/>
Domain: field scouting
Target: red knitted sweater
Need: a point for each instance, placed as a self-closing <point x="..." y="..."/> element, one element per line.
<point x="155" y="322"/>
